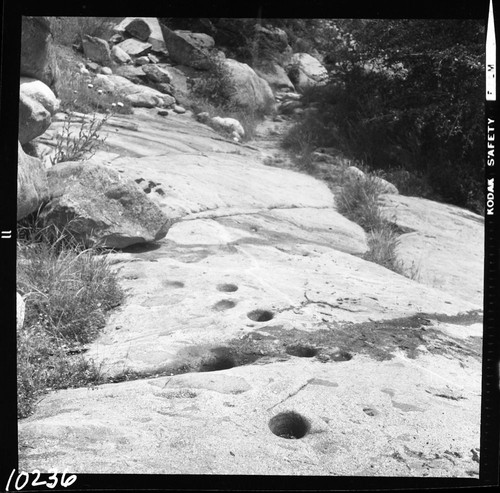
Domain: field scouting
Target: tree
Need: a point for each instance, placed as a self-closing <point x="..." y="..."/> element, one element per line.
<point x="409" y="93"/>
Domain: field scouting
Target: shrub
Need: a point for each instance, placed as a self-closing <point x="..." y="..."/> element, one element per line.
<point x="215" y="86"/>
<point x="358" y="200"/>
<point x="68" y="291"/>
<point x="70" y="30"/>
<point x="83" y="146"/>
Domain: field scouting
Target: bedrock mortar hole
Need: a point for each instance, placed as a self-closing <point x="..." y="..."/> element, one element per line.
<point x="222" y="362"/>
<point x="224" y="305"/>
<point x="227" y="288"/>
<point x="260" y="315"/>
<point x="223" y="358"/>
<point x="289" y="425"/>
<point x="301" y="351"/>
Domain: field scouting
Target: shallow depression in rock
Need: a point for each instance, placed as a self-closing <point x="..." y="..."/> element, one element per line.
<point x="224" y="305"/>
<point x="260" y="315"/>
<point x="227" y="288"/>
<point x="289" y="425"/>
<point x="221" y="362"/>
<point x="301" y="351"/>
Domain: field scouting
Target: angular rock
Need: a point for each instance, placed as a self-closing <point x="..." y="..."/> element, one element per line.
<point x="156" y="73"/>
<point x="250" y="91"/>
<point x="139" y="28"/>
<point x="156" y="36"/>
<point x="96" y="49"/>
<point x="97" y="205"/>
<point x="275" y="34"/>
<point x="38" y="59"/>
<point x="153" y="59"/>
<point x="275" y="76"/>
<point x="32" y="188"/>
<point x="20" y="311"/>
<point x="134" y="47"/>
<point x="34" y="119"/>
<point x="187" y="48"/>
<point x="142" y="60"/>
<point x="306" y="71"/>
<point x="165" y="88"/>
<point x="119" y="55"/>
<point x="131" y="72"/>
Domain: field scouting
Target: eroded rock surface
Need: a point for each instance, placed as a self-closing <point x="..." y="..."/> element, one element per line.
<point x="258" y="302"/>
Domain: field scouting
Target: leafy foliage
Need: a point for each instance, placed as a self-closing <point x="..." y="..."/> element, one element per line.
<point x="81" y="146"/>
<point x="408" y="94"/>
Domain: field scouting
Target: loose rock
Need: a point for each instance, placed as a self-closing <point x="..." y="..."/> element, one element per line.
<point x="96" y="49"/>
<point x="97" y="205"/>
<point x="138" y="28"/>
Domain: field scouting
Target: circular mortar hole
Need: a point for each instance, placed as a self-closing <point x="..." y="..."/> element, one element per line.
<point x="341" y="356"/>
<point x="301" y="351"/>
<point x="260" y="315"/>
<point x="289" y="425"/>
<point x="227" y="288"/>
<point x="370" y="411"/>
<point x="224" y="305"/>
<point x="223" y="362"/>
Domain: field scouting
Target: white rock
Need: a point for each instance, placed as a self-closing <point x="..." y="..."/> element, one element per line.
<point x="228" y="125"/>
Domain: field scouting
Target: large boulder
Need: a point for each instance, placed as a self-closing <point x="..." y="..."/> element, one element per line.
<point x="275" y="76"/>
<point x="34" y="119"/>
<point x="134" y="47"/>
<point x="139" y="28"/>
<point x="40" y="92"/>
<point x="250" y="90"/>
<point x="32" y="188"/>
<point x="155" y="38"/>
<point x="99" y="206"/>
<point x="136" y="94"/>
<point x="275" y="35"/>
<point x="156" y="73"/>
<point x="38" y="59"/>
<point x="305" y="71"/>
<point x="187" y="48"/>
<point x="36" y="105"/>
<point x="179" y="81"/>
<point x="97" y="50"/>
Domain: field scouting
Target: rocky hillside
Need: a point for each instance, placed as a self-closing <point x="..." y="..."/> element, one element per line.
<point x="255" y="337"/>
